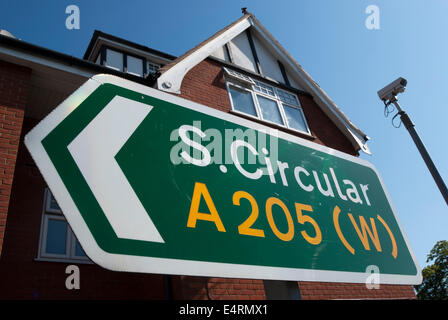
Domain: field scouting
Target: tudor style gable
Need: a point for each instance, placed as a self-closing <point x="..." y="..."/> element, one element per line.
<point x="245" y="47"/>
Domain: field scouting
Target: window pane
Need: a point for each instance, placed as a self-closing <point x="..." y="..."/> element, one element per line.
<point x="242" y="101"/>
<point x="56" y="236"/>
<point x="114" y="60"/>
<point x="152" y="67"/>
<point x="269" y="110"/>
<point x="264" y="88"/>
<point x="287" y="97"/>
<point x="79" y="252"/>
<point x="53" y="204"/>
<point x="295" y="118"/>
<point x="134" y="66"/>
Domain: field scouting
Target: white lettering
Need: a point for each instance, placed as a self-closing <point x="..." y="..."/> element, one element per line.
<point x="352" y="193"/>
<point x="329" y="191"/>
<point x="364" y="189"/>
<point x="297" y="171"/>
<point x="234" y="154"/>
<point x="205" y="161"/>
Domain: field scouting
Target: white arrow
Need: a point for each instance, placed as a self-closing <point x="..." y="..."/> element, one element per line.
<point x="94" y="151"/>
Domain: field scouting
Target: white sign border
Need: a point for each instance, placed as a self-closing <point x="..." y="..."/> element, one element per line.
<point x="130" y="263"/>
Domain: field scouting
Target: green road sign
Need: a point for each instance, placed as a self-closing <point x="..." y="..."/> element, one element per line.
<point x="153" y="183"/>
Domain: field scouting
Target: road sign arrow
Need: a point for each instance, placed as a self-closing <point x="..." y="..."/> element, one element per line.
<point x="94" y="151"/>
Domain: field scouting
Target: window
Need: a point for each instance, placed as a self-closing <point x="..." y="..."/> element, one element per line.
<point x="242" y="100"/>
<point x="152" y="67"/>
<point x="295" y="118"/>
<point x="264" y="88"/>
<point x="265" y="102"/>
<point x="124" y="62"/>
<point x="114" y="60"/>
<point x="269" y="110"/>
<point x="57" y="240"/>
<point x="134" y="66"/>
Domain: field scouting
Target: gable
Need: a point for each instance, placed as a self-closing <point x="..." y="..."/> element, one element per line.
<point x="249" y="46"/>
<point x="238" y="52"/>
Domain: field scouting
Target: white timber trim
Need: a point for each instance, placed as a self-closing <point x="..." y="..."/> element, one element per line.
<point x="171" y="80"/>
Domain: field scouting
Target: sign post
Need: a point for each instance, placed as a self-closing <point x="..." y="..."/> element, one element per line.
<point x="153" y="183"/>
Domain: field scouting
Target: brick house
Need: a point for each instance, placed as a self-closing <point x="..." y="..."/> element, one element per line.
<point x="241" y="62"/>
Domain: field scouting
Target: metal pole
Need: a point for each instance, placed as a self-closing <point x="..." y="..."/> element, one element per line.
<point x="422" y="149"/>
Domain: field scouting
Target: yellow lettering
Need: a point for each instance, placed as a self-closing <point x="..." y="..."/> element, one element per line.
<point x="200" y="189"/>
<point x="302" y="218"/>
<point x="373" y="234"/>
<point x="391" y="235"/>
<point x="246" y="226"/>
<point x="344" y="241"/>
<point x="282" y="236"/>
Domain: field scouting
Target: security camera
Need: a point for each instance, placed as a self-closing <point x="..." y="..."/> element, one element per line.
<point x="391" y="90"/>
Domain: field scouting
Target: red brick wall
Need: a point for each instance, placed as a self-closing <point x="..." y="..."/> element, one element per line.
<point x="329" y="290"/>
<point x="323" y="129"/>
<point x="202" y="288"/>
<point x="14" y="85"/>
<point x="205" y="84"/>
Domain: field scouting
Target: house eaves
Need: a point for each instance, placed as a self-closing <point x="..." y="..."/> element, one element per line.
<point x="98" y="35"/>
<point x="23" y="53"/>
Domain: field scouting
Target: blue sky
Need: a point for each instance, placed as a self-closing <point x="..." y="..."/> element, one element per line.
<point x="330" y="40"/>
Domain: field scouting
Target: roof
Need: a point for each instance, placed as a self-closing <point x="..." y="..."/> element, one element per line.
<point x="97" y="34"/>
<point x="172" y="74"/>
<point x="88" y="68"/>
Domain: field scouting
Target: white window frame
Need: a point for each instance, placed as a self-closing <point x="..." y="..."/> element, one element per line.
<point x="230" y="81"/>
<point x="238" y="75"/>
<point x="257" y="109"/>
<point x="70" y="242"/>
<point x="282" y="116"/>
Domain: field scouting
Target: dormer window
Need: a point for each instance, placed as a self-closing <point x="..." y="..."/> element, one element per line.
<point x="126" y="62"/>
